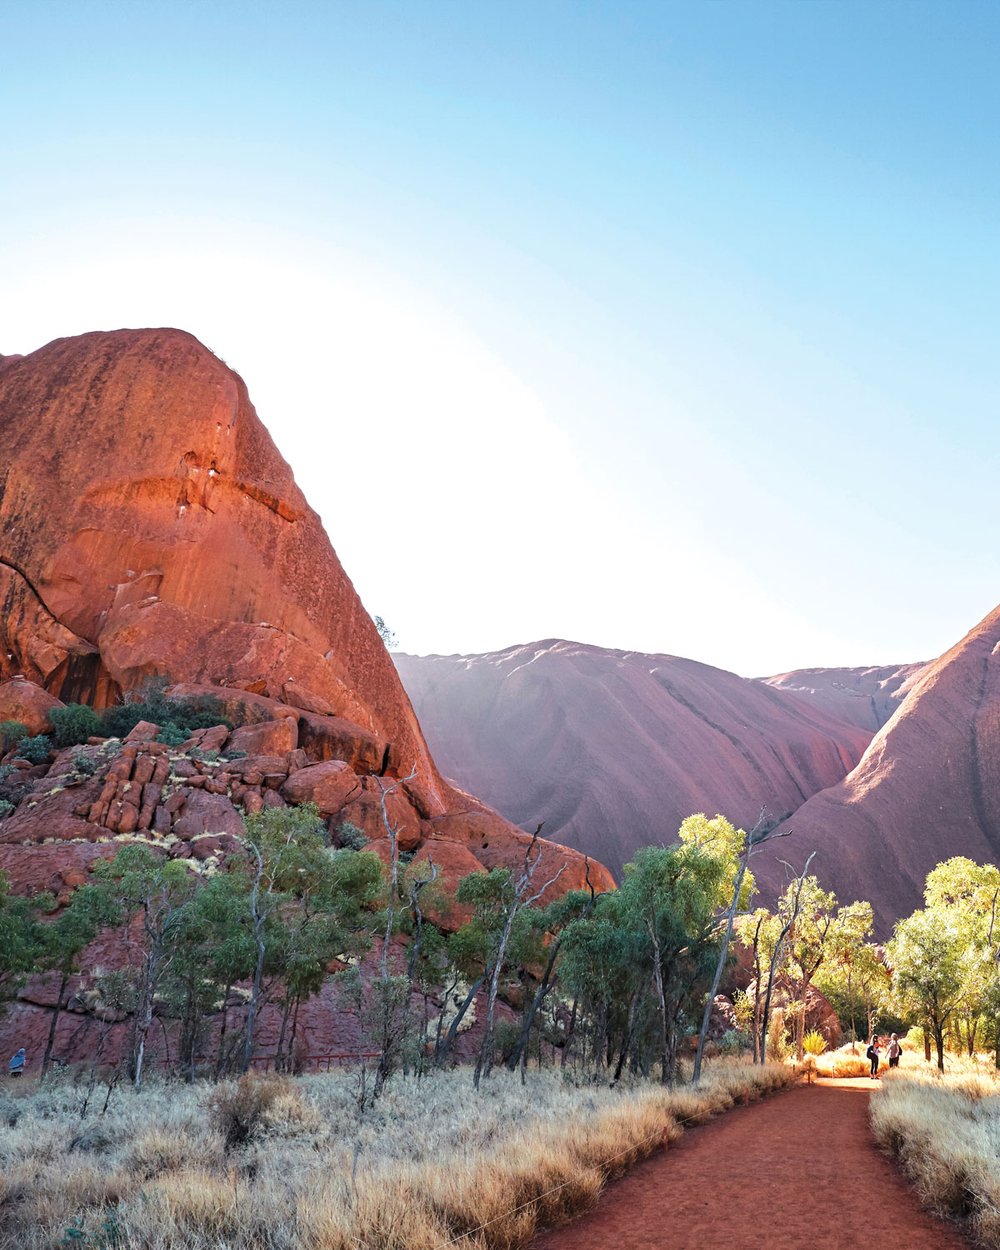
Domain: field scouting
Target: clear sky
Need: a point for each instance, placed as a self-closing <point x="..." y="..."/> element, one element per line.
<point x="669" y="326"/>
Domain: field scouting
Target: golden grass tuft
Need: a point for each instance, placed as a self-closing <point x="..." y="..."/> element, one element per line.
<point x="945" y="1132"/>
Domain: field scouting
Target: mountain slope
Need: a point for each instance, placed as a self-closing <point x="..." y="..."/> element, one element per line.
<point x="927" y="788"/>
<point x="612" y="749"/>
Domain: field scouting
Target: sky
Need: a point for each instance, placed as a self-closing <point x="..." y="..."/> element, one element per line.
<point x="670" y="327"/>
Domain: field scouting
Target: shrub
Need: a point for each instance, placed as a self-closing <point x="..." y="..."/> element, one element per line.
<point x="351" y="837"/>
<point x="814" y="1043"/>
<point x="150" y="702"/>
<point x="84" y="765"/>
<point x="6" y="807"/>
<point x="11" y="731"/>
<point x="240" y="1110"/>
<point x="73" y="724"/>
<point x="735" y="1042"/>
<point x="34" y="750"/>
<point x="171" y="734"/>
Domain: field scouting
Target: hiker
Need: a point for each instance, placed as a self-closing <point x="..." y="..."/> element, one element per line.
<point x="895" y="1050"/>
<point x="872" y="1053"/>
<point x="16" y="1065"/>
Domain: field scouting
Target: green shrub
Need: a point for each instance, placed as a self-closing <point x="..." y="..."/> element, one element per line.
<point x="172" y="735"/>
<point x="84" y="764"/>
<point x="73" y="724"/>
<point x="6" y="807"/>
<point x="34" y="750"/>
<point x="351" y="837"/>
<point x="735" y="1042"/>
<point x="150" y="702"/>
<point x="11" y="731"/>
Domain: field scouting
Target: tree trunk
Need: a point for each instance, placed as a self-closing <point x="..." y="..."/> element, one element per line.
<point x="706" y="1016"/>
<point x="53" y="1023"/>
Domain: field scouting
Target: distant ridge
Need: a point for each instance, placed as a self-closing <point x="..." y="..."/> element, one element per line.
<point x="612" y="749"/>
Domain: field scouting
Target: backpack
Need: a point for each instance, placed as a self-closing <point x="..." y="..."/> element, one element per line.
<point x="871" y="1052"/>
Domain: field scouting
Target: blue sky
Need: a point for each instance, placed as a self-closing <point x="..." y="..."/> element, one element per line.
<point x="660" y="326"/>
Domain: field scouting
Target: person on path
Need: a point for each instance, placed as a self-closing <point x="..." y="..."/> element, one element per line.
<point x="894" y="1051"/>
<point x="872" y="1054"/>
<point x="16" y="1065"/>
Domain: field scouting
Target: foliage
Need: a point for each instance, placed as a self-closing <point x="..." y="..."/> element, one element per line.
<point x="814" y="1043"/>
<point x="85" y="765"/>
<point x="240" y="1109"/>
<point x="35" y="750"/>
<point x="351" y="837"/>
<point x="6" y="807"/>
<point x="150" y="702"/>
<point x="11" y="731"/>
<point x="171" y="734"/>
<point x="73" y="724"/>
<point x="385" y="633"/>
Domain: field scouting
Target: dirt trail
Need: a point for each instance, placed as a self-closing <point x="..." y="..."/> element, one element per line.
<point x="799" y="1170"/>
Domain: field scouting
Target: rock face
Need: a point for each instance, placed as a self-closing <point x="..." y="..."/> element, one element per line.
<point x="866" y="697"/>
<point x="613" y="749"/>
<point x="148" y="526"/>
<point x="927" y="788"/>
<point x="24" y="702"/>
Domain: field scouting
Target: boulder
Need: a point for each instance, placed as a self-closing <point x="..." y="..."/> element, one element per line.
<point x="364" y="810"/>
<point x="328" y="785"/>
<point x="24" y="701"/>
<point x="207" y="813"/>
<point x="269" y="737"/>
<point x="332" y="737"/>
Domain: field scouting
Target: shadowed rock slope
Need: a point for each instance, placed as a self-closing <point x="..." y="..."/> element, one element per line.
<point x="149" y="526"/>
<point x="613" y="749"/>
<point x="927" y="788"/>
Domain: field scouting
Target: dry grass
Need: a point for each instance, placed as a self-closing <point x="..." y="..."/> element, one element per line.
<point x="945" y="1132"/>
<point x="432" y="1164"/>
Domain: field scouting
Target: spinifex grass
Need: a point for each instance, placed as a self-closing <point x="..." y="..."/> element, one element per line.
<point x="431" y="1164"/>
<point x="945" y="1132"/>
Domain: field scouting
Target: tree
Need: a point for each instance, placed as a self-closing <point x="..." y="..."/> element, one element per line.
<point x="139" y="886"/>
<point x="809" y="940"/>
<point x="385" y="633"/>
<point x="734" y="848"/>
<point x="852" y="925"/>
<point x="20" y="940"/>
<point x="926" y="954"/>
<point x="306" y="906"/>
<point x="62" y="942"/>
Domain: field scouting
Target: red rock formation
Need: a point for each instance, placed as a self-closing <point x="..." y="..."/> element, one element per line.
<point x="866" y="697"/>
<point x="23" y="701"/>
<point x="927" y="788"/>
<point x="149" y="526"/>
<point x="613" y="749"/>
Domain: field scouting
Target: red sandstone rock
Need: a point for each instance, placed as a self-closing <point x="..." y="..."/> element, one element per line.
<point x="173" y="540"/>
<point x="332" y="737"/>
<point x="22" y="700"/>
<point x="269" y="737"/>
<point x="328" y="785"/>
<point x="866" y="697"/>
<point x="145" y="731"/>
<point x="207" y="813"/>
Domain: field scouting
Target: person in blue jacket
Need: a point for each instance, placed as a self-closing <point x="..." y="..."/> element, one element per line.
<point x="16" y="1065"/>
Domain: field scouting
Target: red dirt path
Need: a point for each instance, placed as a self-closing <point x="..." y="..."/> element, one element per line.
<point x="798" y="1171"/>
